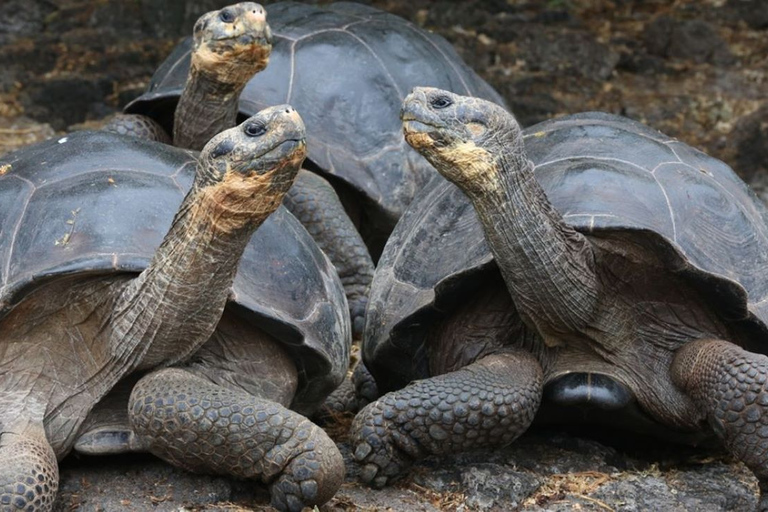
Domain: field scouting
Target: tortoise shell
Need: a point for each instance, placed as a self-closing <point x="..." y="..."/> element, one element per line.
<point x="346" y="68"/>
<point x="99" y="203"/>
<point x="603" y="173"/>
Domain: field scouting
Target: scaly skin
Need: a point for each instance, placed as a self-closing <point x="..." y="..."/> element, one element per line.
<point x="365" y="385"/>
<point x="354" y="393"/>
<point x="728" y="383"/>
<point x="141" y="127"/>
<point x="313" y="201"/>
<point x="484" y="405"/>
<point x="199" y="426"/>
<point x="30" y="476"/>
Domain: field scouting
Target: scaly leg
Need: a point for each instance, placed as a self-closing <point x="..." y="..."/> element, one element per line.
<point x="729" y="384"/>
<point x="200" y="426"/>
<point x="313" y="201"/>
<point x="141" y="127"/>
<point x="486" y="404"/>
<point x="29" y="472"/>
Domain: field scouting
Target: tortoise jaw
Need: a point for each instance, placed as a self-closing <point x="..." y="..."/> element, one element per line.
<point x="413" y="125"/>
<point x="289" y="152"/>
<point x="417" y="134"/>
<point x="422" y="136"/>
<point x="243" y="39"/>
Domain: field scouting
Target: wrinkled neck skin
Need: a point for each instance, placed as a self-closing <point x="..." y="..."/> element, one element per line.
<point x="547" y="265"/>
<point x="172" y="308"/>
<point x="207" y="106"/>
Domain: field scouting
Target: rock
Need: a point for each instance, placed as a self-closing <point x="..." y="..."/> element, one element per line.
<point x="571" y="52"/>
<point x="143" y="483"/>
<point x="748" y="141"/>
<point x="547" y="469"/>
<point x="486" y="486"/>
<point x="65" y="101"/>
<point x="22" y="18"/>
<point x="22" y="131"/>
<point x="693" y="40"/>
<point x="753" y="12"/>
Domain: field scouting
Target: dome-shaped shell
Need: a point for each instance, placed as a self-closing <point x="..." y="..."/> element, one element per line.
<point x="99" y="203"/>
<point x="346" y="68"/>
<point x="603" y="173"/>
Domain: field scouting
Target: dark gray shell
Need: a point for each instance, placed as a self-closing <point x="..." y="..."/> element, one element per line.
<point x="99" y="203"/>
<point x="603" y="173"/>
<point x="346" y="68"/>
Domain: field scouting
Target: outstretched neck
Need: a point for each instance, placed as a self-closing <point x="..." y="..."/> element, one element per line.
<point x="172" y="308"/>
<point x="547" y="265"/>
<point x="208" y="105"/>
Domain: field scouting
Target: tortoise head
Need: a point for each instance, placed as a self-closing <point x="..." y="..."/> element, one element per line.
<point x="247" y="170"/>
<point x="462" y="137"/>
<point x="233" y="43"/>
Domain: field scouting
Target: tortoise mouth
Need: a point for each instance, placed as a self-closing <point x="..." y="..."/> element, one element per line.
<point x="424" y="136"/>
<point x="287" y="152"/>
<point x="245" y="39"/>
<point x="285" y="147"/>
<point x="416" y="126"/>
<point x="412" y="125"/>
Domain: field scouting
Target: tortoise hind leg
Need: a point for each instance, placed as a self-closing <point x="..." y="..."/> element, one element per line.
<point x="486" y="404"/>
<point x="315" y="203"/>
<point x="141" y="127"/>
<point x="728" y="384"/>
<point x="200" y="426"/>
<point x="29" y="472"/>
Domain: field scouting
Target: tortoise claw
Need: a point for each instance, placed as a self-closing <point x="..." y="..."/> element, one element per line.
<point x="362" y="451"/>
<point x="384" y="453"/>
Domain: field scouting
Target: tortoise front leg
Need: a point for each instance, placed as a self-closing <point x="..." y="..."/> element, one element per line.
<point x="29" y="472"/>
<point x="315" y="203"/>
<point x="728" y="383"/>
<point x="199" y="426"/>
<point x="484" y="405"/>
<point x="141" y="127"/>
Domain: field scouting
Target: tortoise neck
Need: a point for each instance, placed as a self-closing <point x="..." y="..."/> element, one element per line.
<point x="207" y="107"/>
<point x="547" y="265"/>
<point x="173" y="307"/>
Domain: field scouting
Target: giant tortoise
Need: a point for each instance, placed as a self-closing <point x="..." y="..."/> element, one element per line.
<point x="216" y="332"/>
<point x="346" y="67"/>
<point x="590" y="264"/>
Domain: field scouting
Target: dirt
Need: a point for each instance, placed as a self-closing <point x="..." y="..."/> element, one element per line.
<point x="697" y="70"/>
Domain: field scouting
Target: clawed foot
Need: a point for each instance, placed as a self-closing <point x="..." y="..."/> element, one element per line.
<point x="296" y="486"/>
<point x="312" y="475"/>
<point x="486" y="404"/>
<point x="197" y="425"/>
<point x="383" y="451"/>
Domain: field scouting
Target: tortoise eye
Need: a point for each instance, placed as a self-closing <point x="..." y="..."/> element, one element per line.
<point x="255" y="129"/>
<point x="226" y="16"/>
<point x="440" y="102"/>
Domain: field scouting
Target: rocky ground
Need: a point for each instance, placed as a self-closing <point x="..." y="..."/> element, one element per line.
<point x="696" y="69"/>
